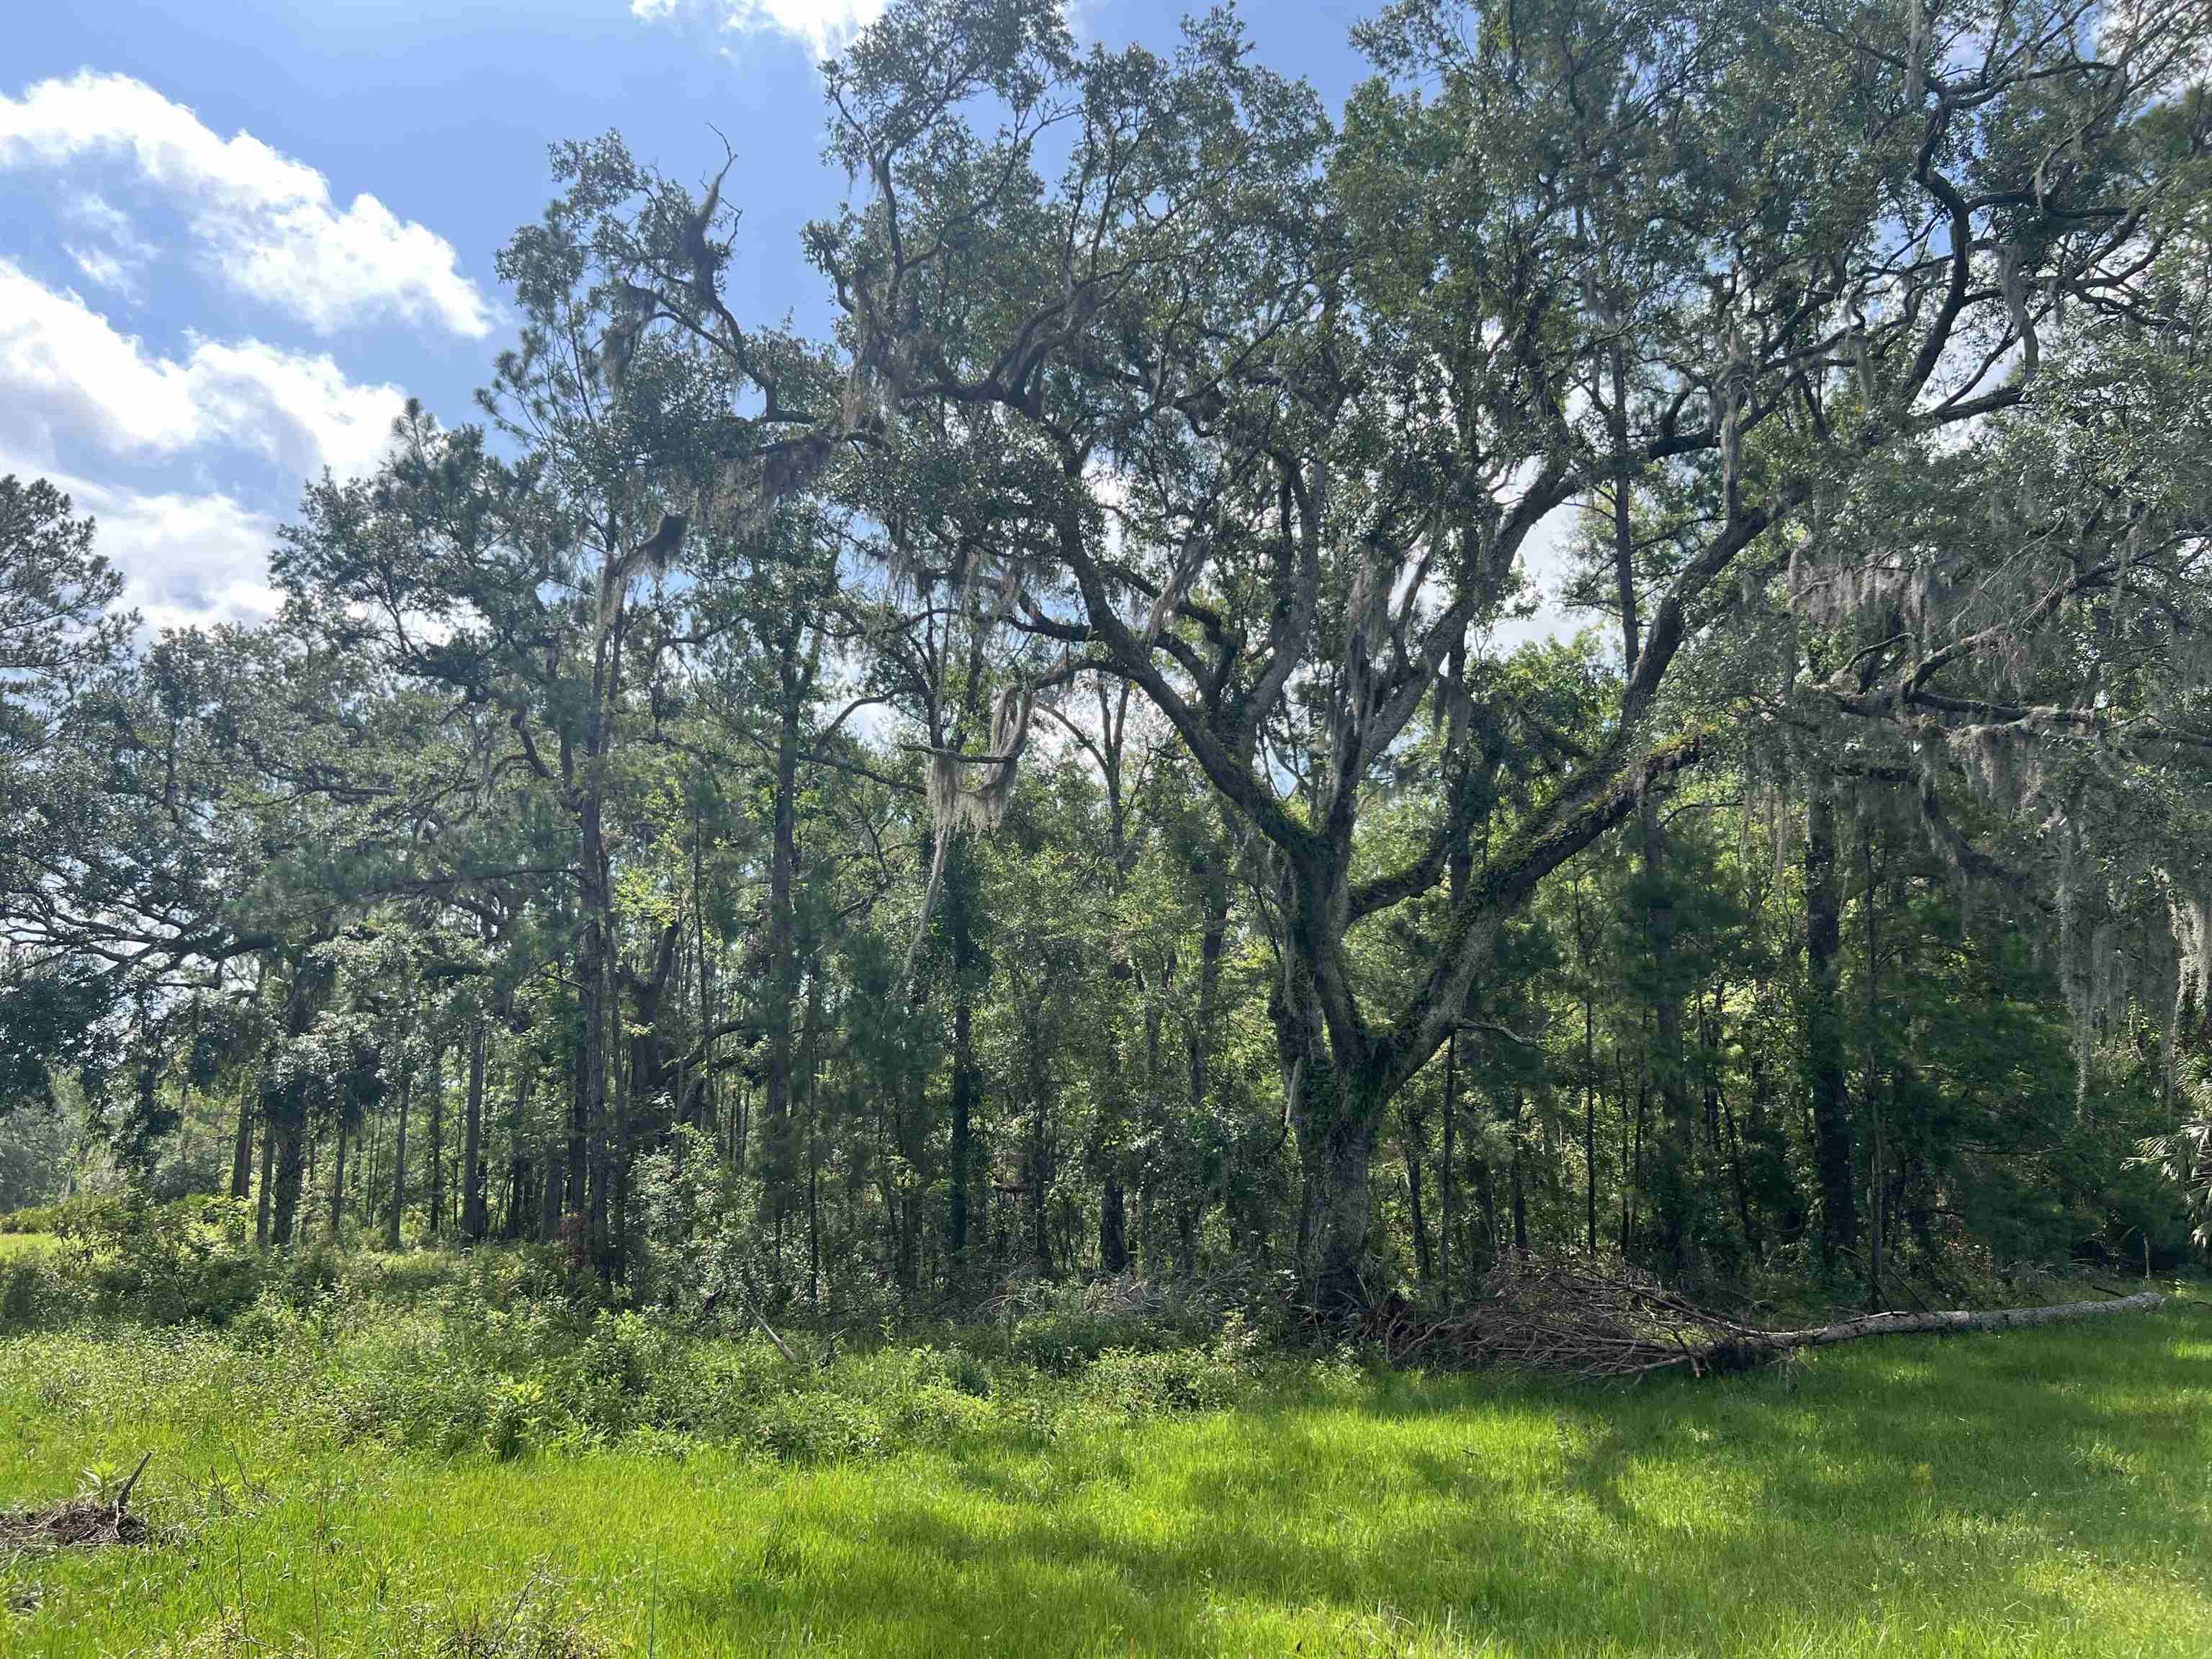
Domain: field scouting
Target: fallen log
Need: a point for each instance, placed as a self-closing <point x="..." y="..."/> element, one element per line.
<point x="1748" y="1345"/>
<point x="1566" y="1318"/>
<point x="1991" y="1319"/>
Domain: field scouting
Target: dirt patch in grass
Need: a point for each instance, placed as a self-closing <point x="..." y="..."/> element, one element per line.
<point x="79" y="1525"/>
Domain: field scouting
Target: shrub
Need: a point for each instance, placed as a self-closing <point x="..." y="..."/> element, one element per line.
<point x="521" y="1413"/>
<point x="31" y="1288"/>
<point x="406" y="1280"/>
<point x="813" y="1428"/>
<point x="1062" y="1329"/>
<point x="971" y="1373"/>
<point x="1175" y="1380"/>
<point x="935" y="1414"/>
<point x="167" y="1264"/>
<point x="33" y="1219"/>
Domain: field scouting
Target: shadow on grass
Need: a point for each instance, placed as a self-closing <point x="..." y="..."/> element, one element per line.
<point x="2033" y="1492"/>
<point x="1975" y="1495"/>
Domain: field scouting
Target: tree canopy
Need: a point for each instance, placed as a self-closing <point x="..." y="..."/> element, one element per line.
<point x="1040" y="780"/>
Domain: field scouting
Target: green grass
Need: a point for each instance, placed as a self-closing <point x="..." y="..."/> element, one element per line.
<point x="2033" y="1493"/>
<point x="26" y="1244"/>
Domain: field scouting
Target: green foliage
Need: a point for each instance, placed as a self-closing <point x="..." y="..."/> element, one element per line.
<point x="190" y="1260"/>
<point x="2053" y="1500"/>
<point x="589" y="810"/>
<point x="1174" y="1380"/>
<point x="1062" y="1329"/>
<point x="33" y="1289"/>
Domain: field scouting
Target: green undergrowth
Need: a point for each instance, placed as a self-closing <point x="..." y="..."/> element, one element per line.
<point x="405" y="1455"/>
<point x="495" y="1353"/>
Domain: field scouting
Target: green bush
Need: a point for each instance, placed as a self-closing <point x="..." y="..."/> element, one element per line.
<point x="971" y="1373"/>
<point x="814" y="1428"/>
<point x="409" y="1279"/>
<point x="1174" y="1380"/>
<point x="480" y="1354"/>
<point x="1062" y="1329"/>
<point x="935" y="1414"/>
<point x="521" y="1413"/>
<point x="32" y="1291"/>
<point x="190" y="1260"/>
<point x="33" y="1219"/>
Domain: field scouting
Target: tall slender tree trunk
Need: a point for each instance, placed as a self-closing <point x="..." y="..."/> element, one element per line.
<point x="1447" y="1166"/>
<point x="962" y="897"/>
<point x="242" y="1152"/>
<point x="572" y="1189"/>
<point x="1627" y="1150"/>
<point x="591" y="1166"/>
<point x="1519" y="1185"/>
<point x="706" y="1088"/>
<point x="1416" y="1136"/>
<point x="391" y="1237"/>
<point x="521" y="1164"/>
<point x="1671" y="1153"/>
<point x="1876" y="1194"/>
<point x="810" y="1061"/>
<point x="338" y="1180"/>
<point x="780" y="1168"/>
<point x="436" y="1079"/>
<point x="1753" y="1239"/>
<point x="1037" y="1066"/>
<point x="1832" y="1134"/>
<point x="1113" y="1228"/>
<point x="1213" y="938"/>
<point x="262" y="1205"/>
<point x="1589" y="1124"/>
<point x="285" y="1107"/>
<point x="552" y="1200"/>
<point x="475" y="1219"/>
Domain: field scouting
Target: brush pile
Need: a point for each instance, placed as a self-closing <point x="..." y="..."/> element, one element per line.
<point x="87" y="1522"/>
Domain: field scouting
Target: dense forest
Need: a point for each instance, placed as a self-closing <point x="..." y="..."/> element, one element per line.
<point x="1076" y="771"/>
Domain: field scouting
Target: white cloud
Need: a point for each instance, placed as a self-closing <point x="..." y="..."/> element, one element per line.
<point x="185" y="558"/>
<point x="302" y="412"/>
<point x="824" y="26"/>
<point x="269" y="219"/>
<point x="104" y="218"/>
<point x="103" y="269"/>
<point x="105" y="247"/>
<point x="65" y="369"/>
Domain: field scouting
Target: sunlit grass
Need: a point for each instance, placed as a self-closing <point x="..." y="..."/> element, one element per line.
<point x="2038" y="1492"/>
<point x="26" y="1243"/>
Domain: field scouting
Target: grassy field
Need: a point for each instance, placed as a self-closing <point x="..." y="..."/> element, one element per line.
<point x="25" y="1243"/>
<point x="2034" y="1493"/>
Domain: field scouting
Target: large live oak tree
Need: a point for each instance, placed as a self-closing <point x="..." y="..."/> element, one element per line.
<point x="1264" y="419"/>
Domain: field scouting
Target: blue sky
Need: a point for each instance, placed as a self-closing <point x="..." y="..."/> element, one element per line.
<point x="233" y="234"/>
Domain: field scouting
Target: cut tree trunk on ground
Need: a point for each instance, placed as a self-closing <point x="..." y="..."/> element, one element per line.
<point x="1993" y="1319"/>
<point x="1562" y="1318"/>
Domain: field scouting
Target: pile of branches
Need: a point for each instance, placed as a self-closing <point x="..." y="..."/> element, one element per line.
<point x="1571" y="1319"/>
<point x="86" y="1523"/>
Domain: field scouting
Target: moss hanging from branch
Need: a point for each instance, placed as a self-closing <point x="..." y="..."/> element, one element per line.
<point x="968" y="794"/>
